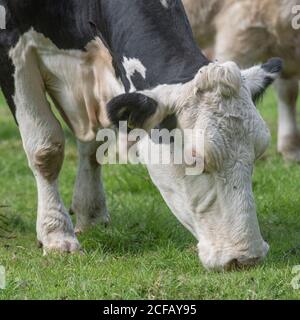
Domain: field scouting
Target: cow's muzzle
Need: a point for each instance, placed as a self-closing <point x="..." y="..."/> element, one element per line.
<point x="229" y="260"/>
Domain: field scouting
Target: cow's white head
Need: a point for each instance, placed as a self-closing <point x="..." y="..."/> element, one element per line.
<point x="217" y="206"/>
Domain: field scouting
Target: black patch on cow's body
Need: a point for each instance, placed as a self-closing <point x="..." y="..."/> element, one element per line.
<point x="139" y="81"/>
<point x="160" y="38"/>
<point x="135" y="108"/>
<point x="8" y="38"/>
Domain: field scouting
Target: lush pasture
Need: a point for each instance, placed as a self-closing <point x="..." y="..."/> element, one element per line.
<point x="145" y="253"/>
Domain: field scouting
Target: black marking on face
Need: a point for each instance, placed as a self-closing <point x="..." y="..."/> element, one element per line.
<point x="135" y="108"/>
<point x="170" y="123"/>
<point x="273" y="67"/>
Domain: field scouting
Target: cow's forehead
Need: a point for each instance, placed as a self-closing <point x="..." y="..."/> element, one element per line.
<point x="228" y="117"/>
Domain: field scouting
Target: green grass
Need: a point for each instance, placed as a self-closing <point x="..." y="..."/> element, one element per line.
<point x="145" y="253"/>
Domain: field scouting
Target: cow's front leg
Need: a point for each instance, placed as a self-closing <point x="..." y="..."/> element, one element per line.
<point x="55" y="230"/>
<point x="288" y="133"/>
<point x="43" y="141"/>
<point x="89" y="202"/>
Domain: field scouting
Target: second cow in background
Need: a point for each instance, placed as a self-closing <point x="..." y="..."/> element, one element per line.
<point x="250" y="31"/>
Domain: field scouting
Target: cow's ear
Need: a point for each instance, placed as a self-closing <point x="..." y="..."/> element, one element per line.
<point x="259" y="78"/>
<point x="139" y="110"/>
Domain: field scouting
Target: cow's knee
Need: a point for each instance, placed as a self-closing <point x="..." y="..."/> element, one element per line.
<point x="48" y="160"/>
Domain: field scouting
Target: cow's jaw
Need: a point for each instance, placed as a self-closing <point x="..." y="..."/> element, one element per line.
<point x="221" y="218"/>
<point x="226" y="222"/>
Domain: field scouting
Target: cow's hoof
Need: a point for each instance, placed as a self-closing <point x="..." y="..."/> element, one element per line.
<point x="86" y="224"/>
<point x="291" y="156"/>
<point x="86" y="220"/>
<point x="289" y="147"/>
<point x="61" y="244"/>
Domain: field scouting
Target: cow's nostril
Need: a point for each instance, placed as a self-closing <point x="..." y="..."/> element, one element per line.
<point x="232" y="265"/>
<point x="241" y="264"/>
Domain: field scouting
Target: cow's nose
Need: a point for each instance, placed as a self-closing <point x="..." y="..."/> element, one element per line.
<point x="236" y="264"/>
<point x="222" y="260"/>
<point x="244" y="262"/>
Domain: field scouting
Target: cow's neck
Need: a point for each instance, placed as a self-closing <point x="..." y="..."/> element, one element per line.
<point x="150" y="44"/>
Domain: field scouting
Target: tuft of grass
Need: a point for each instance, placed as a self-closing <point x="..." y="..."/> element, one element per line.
<point x="145" y="253"/>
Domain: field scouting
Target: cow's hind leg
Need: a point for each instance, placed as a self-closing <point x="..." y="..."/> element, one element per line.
<point x="43" y="141"/>
<point x="288" y="133"/>
<point x="89" y="202"/>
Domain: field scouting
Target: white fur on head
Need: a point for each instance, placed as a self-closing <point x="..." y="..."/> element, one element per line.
<point x="225" y="79"/>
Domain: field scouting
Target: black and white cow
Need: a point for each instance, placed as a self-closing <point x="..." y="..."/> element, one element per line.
<point x="150" y="68"/>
